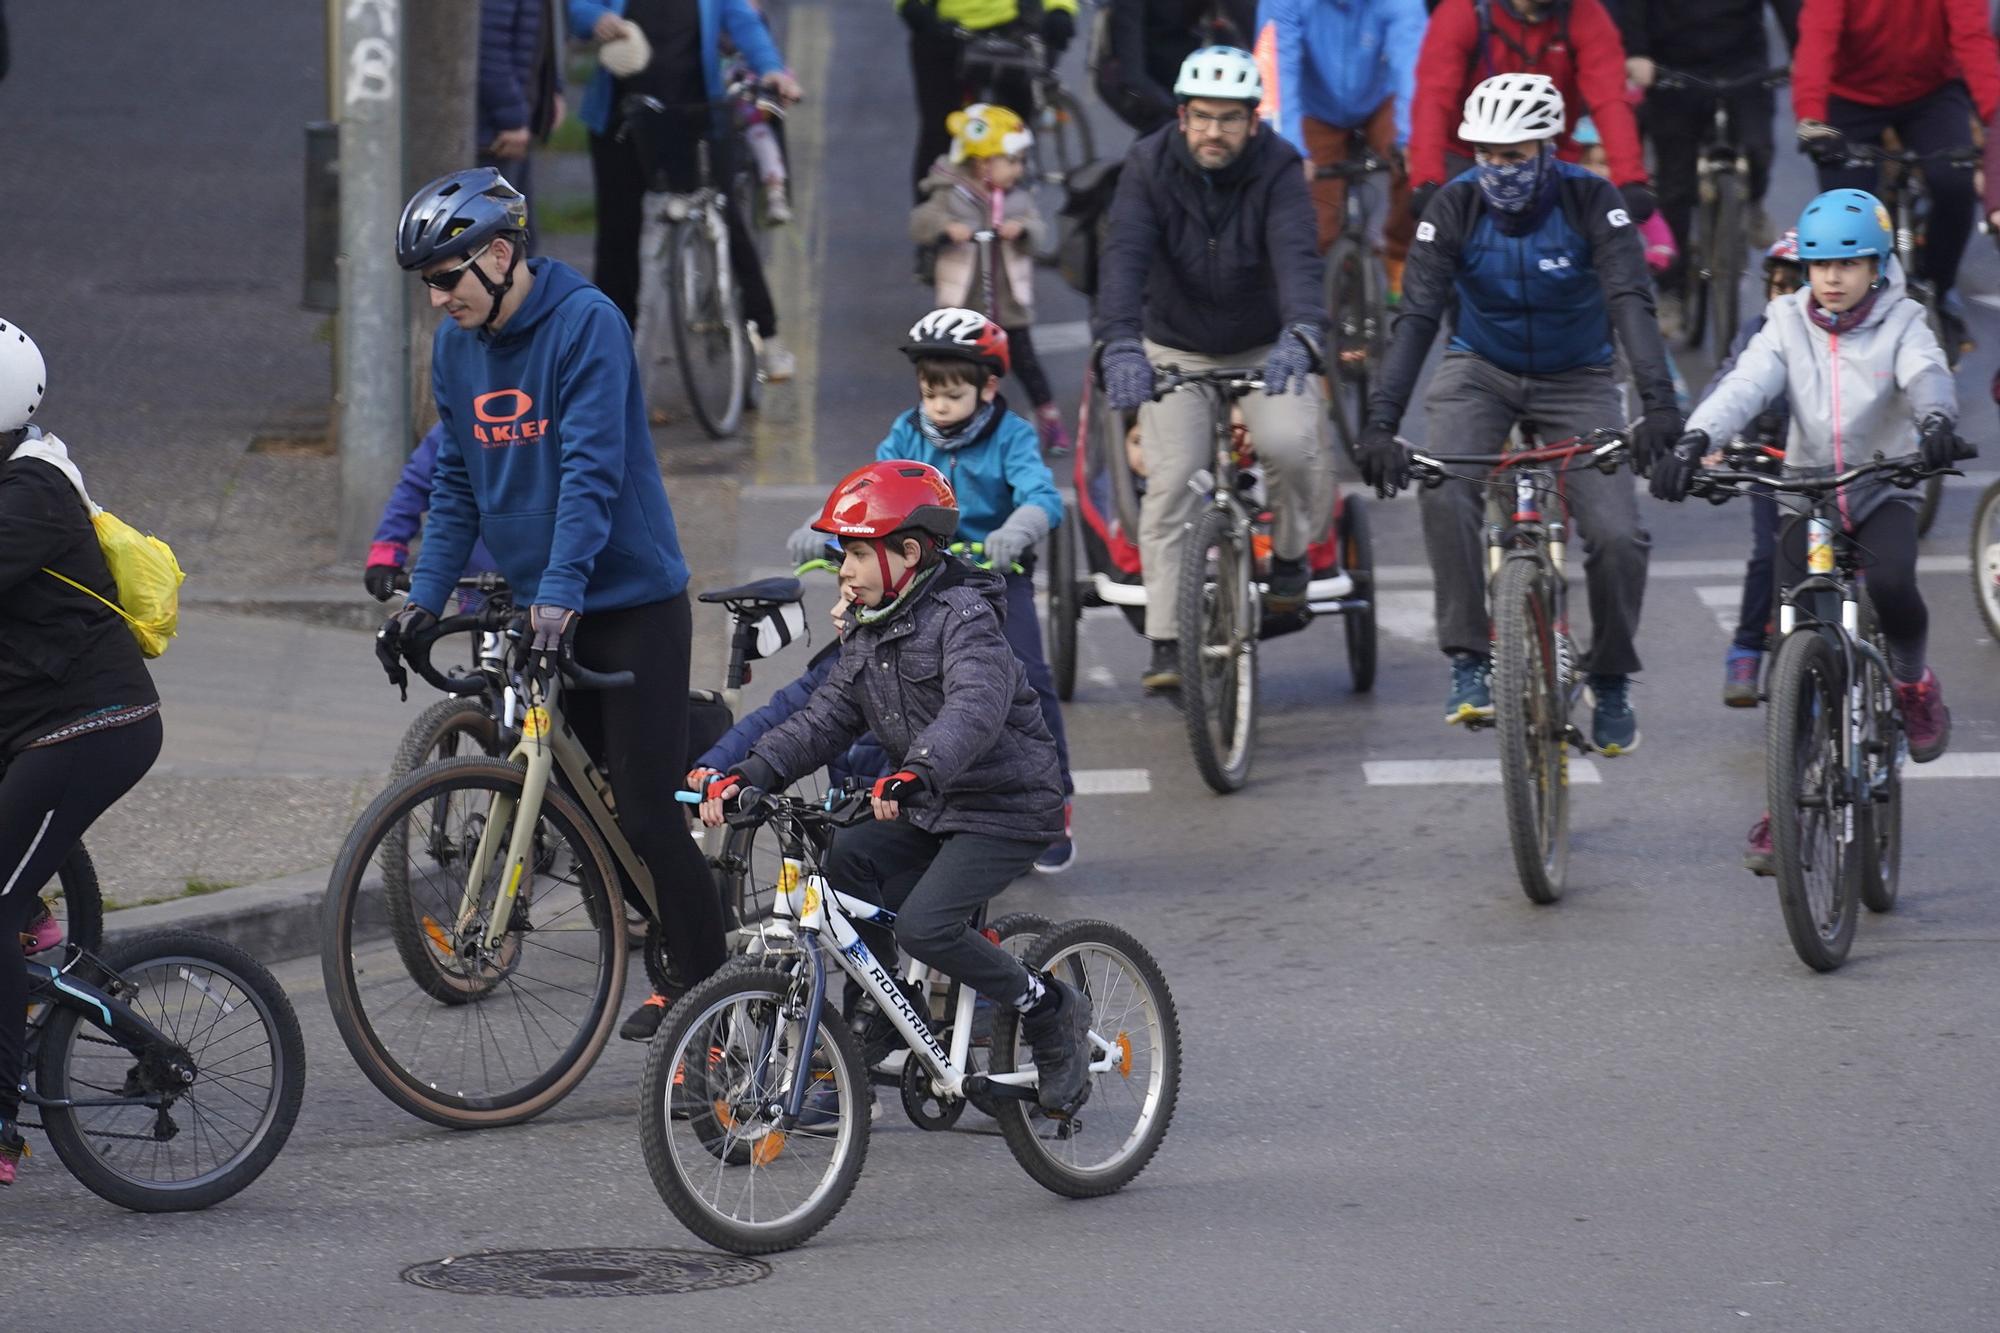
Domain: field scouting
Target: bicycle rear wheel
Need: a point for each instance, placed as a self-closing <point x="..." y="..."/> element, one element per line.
<point x="1531" y="713"/>
<point x="230" y="1022"/>
<point x="710" y="339"/>
<point x="1725" y="262"/>
<point x="1356" y="323"/>
<point x="1817" y="868"/>
<point x="1218" y="638"/>
<point x="522" y="1022"/>
<point x="1357" y="557"/>
<point x="1986" y="558"/>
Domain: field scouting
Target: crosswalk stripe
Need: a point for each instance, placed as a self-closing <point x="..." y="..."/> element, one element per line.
<point x="1457" y="773"/>
<point x="1724" y="602"/>
<point x="1972" y="764"/>
<point x="1112" y="781"/>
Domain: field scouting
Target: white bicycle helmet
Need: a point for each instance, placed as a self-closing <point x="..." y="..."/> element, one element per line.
<point x="1513" y="108"/>
<point x="23" y="374"/>
<point x="1225" y="72"/>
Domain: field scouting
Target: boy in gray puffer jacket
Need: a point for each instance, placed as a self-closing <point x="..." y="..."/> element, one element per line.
<point x="977" y="794"/>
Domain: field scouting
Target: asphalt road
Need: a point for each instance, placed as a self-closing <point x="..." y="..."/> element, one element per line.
<point x="1412" y="1100"/>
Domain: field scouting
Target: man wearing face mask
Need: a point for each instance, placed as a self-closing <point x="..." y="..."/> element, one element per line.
<point x="1213" y="262"/>
<point x="1543" y="263"/>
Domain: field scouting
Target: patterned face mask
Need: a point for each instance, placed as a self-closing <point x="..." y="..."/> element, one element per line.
<point x="1510" y="186"/>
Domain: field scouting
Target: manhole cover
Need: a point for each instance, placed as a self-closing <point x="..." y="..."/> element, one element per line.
<point x="538" y="1273"/>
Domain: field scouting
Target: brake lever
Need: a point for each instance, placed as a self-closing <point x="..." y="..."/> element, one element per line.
<point x="390" y="656"/>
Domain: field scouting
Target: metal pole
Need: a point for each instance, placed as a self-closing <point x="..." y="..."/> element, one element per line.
<point x="374" y="332"/>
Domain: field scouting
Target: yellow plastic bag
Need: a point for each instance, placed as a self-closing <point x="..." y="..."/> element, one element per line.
<point x="148" y="578"/>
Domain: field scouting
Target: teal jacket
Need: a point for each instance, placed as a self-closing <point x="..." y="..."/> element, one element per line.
<point x="744" y="25"/>
<point x="992" y="475"/>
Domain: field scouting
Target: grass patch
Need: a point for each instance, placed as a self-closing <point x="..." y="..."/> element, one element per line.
<point x="192" y="888"/>
<point x="570" y="137"/>
<point x="566" y="215"/>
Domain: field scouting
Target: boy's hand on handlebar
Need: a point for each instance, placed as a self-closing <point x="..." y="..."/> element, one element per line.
<point x="890" y="792"/>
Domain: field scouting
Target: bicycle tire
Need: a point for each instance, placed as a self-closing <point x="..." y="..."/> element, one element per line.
<point x="1806" y="703"/>
<point x="1878" y="825"/>
<point x="1725" y="299"/>
<point x="415" y="1091"/>
<point x="1933" y="489"/>
<point x="1221" y="713"/>
<point x="1357" y="555"/>
<point x="77" y="899"/>
<point x="712" y="1133"/>
<point x="704" y="311"/>
<point x="1530" y="711"/>
<point x="89" y="1155"/>
<point x="1698" y="275"/>
<point x="1986" y="558"/>
<point x="1352" y="321"/>
<point x="1062" y="952"/>
<point x="1065" y="610"/>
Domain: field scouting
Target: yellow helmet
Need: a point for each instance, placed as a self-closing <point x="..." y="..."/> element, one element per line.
<point x="986" y="130"/>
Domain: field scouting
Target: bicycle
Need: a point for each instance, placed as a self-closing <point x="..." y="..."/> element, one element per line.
<point x="153" y="1039"/>
<point x="700" y="304"/>
<point x="1986" y="558"/>
<point x="993" y="63"/>
<point x="1357" y="300"/>
<point x="1715" y="251"/>
<point x="1535" y="683"/>
<point x="459" y="724"/>
<point x="1834" y="744"/>
<point x="730" y="1142"/>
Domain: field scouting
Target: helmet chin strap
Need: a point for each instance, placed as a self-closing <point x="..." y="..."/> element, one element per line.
<point x="498" y="290"/>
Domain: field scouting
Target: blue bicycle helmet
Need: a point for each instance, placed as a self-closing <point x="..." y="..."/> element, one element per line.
<point x="1845" y="224"/>
<point x="456" y="214"/>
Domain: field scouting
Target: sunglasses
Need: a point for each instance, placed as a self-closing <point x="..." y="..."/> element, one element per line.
<point x="445" y="280"/>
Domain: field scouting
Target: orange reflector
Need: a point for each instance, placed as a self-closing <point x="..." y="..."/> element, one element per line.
<point x="767" y="1149"/>
<point x="438" y="937"/>
<point x="1124" y="1055"/>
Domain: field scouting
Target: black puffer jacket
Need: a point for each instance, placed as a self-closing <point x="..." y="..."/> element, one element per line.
<point x="1216" y="262"/>
<point x="62" y="654"/>
<point x="944" y="694"/>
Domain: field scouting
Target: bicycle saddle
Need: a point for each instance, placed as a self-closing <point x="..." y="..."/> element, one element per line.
<point x="766" y="592"/>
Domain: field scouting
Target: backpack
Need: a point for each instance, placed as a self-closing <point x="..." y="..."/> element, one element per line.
<point x="148" y="579"/>
<point x="1081" y="225"/>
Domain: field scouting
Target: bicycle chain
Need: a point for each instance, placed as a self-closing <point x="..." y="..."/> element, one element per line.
<point x="100" y="1133"/>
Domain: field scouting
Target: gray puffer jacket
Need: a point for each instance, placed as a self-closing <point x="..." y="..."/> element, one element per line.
<point x="944" y="694"/>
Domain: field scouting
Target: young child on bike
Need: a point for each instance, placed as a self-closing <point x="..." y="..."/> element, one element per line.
<point x="1007" y="496"/>
<point x="403" y="516"/>
<point x="1863" y="373"/>
<point x="984" y="168"/>
<point x="976" y="795"/>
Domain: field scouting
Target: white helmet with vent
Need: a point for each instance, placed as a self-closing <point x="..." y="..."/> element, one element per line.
<point x="1226" y="72"/>
<point x="23" y="374"/>
<point x="1513" y="108"/>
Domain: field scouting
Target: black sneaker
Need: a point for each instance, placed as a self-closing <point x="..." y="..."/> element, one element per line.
<point x="643" y="1022"/>
<point x="1286" y="591"/>
<point x="1060" y="1036"/>
<point x="1164" y="672"/>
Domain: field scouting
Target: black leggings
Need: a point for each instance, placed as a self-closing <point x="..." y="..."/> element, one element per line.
<point x="1887" y="539"/>
<point x="639" y="735"/>
<point x="48" y="797"/>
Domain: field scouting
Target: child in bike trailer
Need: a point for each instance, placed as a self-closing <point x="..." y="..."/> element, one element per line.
<point x="403" y="515"/>
<point x="987" y="160"/>
<point x="1006" y="493"/>
<point x="976" y="795"/>
<point x="1863" y="374"/>
<point x="79" y="717"/>
<point x="1744" y="660"/>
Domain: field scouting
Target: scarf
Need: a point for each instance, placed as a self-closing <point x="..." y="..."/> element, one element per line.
<point x="873" y="615"/>
<point x="1510" y="187"/>
<point x="968" y="431"/>
<point x="1848" y="318"/>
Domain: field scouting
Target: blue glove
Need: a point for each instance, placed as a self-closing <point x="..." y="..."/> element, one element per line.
<point x="1126" y="374"/>
<point x="1293" y="359"/>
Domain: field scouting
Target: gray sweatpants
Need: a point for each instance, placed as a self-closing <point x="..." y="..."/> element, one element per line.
<point x="1473" y="404"/>
<point x="1177" y="437"/>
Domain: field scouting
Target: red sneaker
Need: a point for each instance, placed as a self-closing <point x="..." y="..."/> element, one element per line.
<point x="1926" y="720"/>
<point x="1757" y="856"/>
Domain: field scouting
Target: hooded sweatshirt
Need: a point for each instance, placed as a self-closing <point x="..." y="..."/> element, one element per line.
<point x="953" y="194"/>
<point x="547" y="456"/>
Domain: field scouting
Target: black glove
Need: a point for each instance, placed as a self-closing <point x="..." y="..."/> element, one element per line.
<point x="412" y="622"/>
<point x="1654" y="436"/>
<point x="1058" y="30"/>
<point x="1639" y="200"/>
<point x="1674" y="473"/>
<point x="554" y="630"/>
<point x="1384" y="462"/>
<point x="380" y="580"/>
<point x="899" y="786"/>
<point x="1937" y="440"/>
<point x="1420" y="198"/>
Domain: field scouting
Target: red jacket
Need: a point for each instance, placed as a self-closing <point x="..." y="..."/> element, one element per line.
<point x="1889" y="52"/>
<point x="1588" y="68"/>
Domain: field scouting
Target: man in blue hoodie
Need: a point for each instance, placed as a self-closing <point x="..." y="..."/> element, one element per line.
<point x="546" y="456"/>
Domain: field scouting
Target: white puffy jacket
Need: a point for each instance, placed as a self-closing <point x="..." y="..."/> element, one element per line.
<point x="1851" y="394"/>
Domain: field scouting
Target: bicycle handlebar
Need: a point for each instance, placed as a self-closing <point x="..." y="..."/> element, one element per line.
<point x="1675" y="80"/>
<point x="486" y="585"/>
<point x="755" y="806"/>
<point x="1364" y="163"/>
<point x="417" y="652"/>
<point x="1904" y="471"/>
<point x="1842" y="153"/>
<point x="1235" y="381"/>
<point x="1605" y="447"/>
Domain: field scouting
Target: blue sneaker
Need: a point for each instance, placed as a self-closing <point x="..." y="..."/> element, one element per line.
<point x="1614" y="728"/>
<point x="1739" y="677"/>
<point x="1471" y="688"/>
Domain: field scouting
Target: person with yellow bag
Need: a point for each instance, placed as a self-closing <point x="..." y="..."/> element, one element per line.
<point x="79" y="717"/>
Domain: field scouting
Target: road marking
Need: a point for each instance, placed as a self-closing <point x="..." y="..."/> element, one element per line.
<point x="1405" y="615"/>
<point x="1458" y="773"/>
<point x="1112" y="781"/>
<point x="1724" y="602"/>
<point x="1102" y="676"/>
<point x="1973" y="764"/>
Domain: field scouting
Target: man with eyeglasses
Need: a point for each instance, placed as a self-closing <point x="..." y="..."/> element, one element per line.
<point x="1541" y="261"/>
<point x="547" y="457"/>
<point x="1213" y="262"/>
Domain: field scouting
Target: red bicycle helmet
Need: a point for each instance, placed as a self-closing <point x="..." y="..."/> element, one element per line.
<point x="964" y="334"/>
<point x="1784" y="250"/>
<point x="880" y="500"/>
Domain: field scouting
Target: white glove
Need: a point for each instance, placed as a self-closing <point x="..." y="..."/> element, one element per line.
<point x="805" y="544"/>
<point x="1006" y="544"/>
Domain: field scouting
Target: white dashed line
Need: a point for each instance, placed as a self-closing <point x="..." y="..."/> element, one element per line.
<point x="1459" y="773"/>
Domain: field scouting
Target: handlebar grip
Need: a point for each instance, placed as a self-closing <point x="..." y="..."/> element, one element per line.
<point x="688" y="797"/>
<point x="418" y="655"/>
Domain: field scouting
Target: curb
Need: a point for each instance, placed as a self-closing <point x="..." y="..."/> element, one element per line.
<point x="273" y="922"/>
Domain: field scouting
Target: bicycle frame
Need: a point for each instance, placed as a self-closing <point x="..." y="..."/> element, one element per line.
<point x="58" y="988"/>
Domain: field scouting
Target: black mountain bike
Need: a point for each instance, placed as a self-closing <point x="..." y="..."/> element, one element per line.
<point x="1357" y="302"/>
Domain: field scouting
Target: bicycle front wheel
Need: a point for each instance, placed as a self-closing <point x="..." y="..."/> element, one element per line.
<point x="1986" y="558"/>
<point x="710" y="340"/>
<point x="522" y="1021"/>
<point x="1218" y="637"/>
<point x="1531" y="713"/>
<point x="1813" y="856"/>
<point x="210" y="1134"/>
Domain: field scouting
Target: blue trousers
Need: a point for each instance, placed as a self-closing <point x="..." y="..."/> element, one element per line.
<point x="1024" y="636"/>
<point x="1753" y="620"/>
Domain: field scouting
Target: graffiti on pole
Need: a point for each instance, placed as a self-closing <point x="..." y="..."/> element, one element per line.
<point x="371" y="61"/>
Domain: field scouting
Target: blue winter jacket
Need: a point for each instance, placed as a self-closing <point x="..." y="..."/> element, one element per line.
<point x="744" y="25"/>
<point x="404" y="514"/>
<point x="547" y="456"/>
<point x="510" y="39"/>
<point x="865" y="759"/>
<point x="992" y="475"/>
<point x="1340" y="59"/>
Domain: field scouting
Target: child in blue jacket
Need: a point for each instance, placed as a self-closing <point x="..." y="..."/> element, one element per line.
<point x="403" y="516"/>
<point x="1007" y="497"/>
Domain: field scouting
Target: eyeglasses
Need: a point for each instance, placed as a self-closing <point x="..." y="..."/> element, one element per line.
<point x="447" y="279"/>
<point x="1229" y="122"/>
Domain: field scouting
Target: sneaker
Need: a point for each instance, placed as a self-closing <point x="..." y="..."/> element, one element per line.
<point x="1061" y="854"/>
<point x="1164" y="672"/>
<point x="777" y="361"/>
<point x="643" y="1022"/>
<point x="43" y="932"/>
<point x="1286" y="591"/>
<point x="690" y="1092"/>
<point x="1471" y="688"/>
<point x="777" y="204"/>
<point x="1926" y="721"/>
<point x="12" y="1149"/>
<point x="1757" y="855"/>
<point x="1060" y="1036"/>
<point x="1671" y="311"/>
<point x="1048" y="424"/>
<point x="1739" y="677"/>
<point x="1614" y="727"/>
